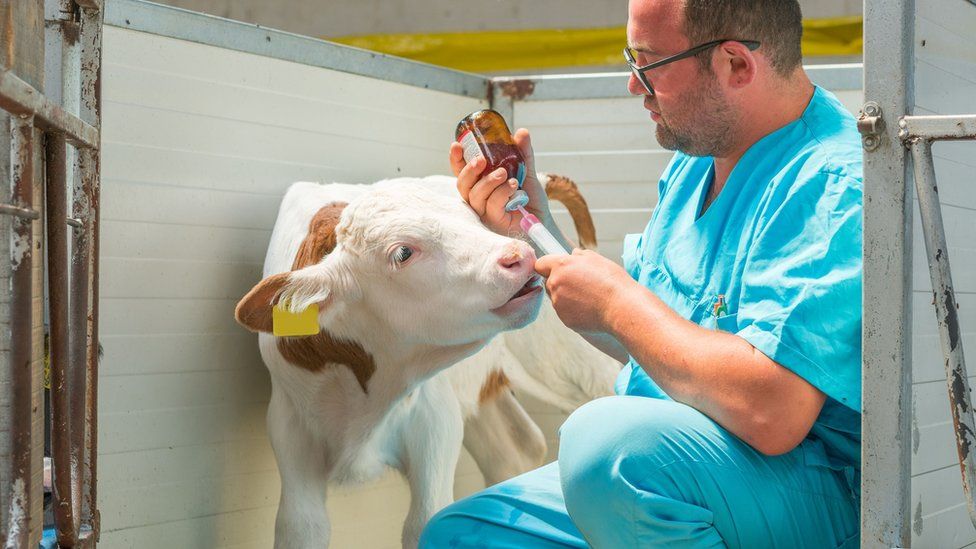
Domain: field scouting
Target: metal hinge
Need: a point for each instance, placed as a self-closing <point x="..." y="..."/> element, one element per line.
<point x="871" y="124"/>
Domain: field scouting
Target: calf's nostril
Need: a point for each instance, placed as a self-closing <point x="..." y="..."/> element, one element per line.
<point x="510" y="260"/>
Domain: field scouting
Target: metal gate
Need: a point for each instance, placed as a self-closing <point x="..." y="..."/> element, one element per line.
<point x="66" y="130"/>
<point x="897" y="34"/>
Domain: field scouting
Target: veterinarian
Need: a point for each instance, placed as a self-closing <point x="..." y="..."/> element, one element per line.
<point x="737" y="310"/>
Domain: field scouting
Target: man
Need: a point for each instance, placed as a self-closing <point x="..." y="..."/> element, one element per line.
<point x="738" y="420"/>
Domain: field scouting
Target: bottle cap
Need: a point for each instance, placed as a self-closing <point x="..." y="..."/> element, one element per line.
<point x="519" y="199"/>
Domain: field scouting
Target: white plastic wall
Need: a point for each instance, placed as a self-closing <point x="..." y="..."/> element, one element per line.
<point x="945" y="83"/>
<point x="200" y="144"/>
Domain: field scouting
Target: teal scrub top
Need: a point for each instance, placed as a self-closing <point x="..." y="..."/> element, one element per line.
<point x="775" y="259"/>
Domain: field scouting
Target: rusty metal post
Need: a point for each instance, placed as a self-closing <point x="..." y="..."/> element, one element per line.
<point x="79" y="336"/>
<point x="21" y="324"/>
<point x="89" y="164"/>
<point x="57" y="252"/>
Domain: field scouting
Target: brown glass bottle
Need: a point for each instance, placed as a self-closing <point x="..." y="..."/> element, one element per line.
<point x="485" y="133"/>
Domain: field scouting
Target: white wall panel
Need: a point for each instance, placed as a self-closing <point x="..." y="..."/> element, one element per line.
<point x="945" y="83"/>
<point x="200" y="144"/>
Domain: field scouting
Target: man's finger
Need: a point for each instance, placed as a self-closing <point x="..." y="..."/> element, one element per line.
<point x="478" y="197"/>
<point x="467" y="178"/>
<point x="545" y="264"/>
<point x="495" y="206"/>
<point x="457" y="158"/>
<point x="524" y="142"/>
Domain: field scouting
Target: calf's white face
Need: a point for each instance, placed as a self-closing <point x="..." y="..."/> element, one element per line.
<point x="421" y="264"/>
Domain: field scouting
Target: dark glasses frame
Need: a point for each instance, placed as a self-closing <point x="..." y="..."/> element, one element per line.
<point x="640" y="70"/>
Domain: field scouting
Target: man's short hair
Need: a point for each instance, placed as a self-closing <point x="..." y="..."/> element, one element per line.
<point x="776" y="24"/>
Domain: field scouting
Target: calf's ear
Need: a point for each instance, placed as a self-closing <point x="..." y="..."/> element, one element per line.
<point x="318" y="284"/>
<point x="254" y="309"/>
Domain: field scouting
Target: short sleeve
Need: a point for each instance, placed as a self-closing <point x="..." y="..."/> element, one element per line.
<point x="631" y="255"/>
<point x="801" y="284"/>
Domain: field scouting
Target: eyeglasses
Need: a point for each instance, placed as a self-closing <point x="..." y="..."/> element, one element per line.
<point x="639" y="71"/>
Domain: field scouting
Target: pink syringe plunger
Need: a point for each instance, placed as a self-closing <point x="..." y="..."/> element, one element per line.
<point x="540" y="236"/>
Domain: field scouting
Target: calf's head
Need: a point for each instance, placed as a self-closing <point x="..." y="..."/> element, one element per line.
<point x="406" y="262"/>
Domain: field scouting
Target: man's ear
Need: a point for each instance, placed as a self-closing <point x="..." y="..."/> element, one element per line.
<point x="317" y="284"/>
<point x="741" y="64"/>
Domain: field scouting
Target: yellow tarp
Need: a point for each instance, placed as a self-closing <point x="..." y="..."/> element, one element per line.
<point x="492" y="51"/>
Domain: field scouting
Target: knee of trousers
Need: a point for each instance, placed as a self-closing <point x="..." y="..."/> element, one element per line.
<point x="462" y="521"/>
<point x="608" y="444"/>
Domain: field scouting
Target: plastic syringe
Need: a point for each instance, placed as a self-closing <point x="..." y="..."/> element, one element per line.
<point x="541" y="236"/>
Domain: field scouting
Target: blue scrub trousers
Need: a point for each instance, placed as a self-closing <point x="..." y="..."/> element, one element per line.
<point x="646" y="472"/>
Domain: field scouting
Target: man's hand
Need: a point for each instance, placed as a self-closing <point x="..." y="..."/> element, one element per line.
<point x="583" y="287"/>
<point x="487" y="193"/>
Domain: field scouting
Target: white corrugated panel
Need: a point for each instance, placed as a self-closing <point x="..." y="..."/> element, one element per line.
<point x="945" y="83"/>
<point x="200" y="144"/>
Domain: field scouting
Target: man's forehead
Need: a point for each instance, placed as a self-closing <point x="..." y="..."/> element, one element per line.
<point x="654" y="25"/>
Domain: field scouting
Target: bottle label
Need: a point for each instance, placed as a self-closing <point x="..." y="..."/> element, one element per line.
<point x="470" y="146"/>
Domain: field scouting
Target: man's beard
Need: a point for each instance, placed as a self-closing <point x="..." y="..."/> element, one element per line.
<point x="708" y="132"/>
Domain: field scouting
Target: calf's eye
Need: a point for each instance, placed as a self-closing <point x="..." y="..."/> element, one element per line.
<point x="402" y="254"/>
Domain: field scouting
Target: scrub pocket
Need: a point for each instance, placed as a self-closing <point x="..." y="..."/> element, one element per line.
<point x="728" y="323"/>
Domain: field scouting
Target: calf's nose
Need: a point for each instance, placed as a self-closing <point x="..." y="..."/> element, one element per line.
<point x="517" y="257"/>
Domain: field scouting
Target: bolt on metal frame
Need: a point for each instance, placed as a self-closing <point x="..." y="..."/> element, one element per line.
<point x="73" y="307"/>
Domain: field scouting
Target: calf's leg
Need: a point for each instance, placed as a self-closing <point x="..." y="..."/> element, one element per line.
<point x="302" y="521"/>
<point x="432" y="444"/>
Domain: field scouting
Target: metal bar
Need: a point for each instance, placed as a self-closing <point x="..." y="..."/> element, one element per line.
<point x="89" y="168"/>
<point x="79" y="333"/>
<point x="7" y="209"/>
<point x="249" y="38"/>
<point x="26" y="213"/>
<point x="57" y="253"/>
<point x="937" y="128"/>
<point x="502" y="102"/>
<point x="944" y="296"/>
<point x="20" y="98"/>
<point x="886" y="440"/>
<point x="87" y="285"/>
<point x="21" y="325"/>
<point x="86" y="540"/>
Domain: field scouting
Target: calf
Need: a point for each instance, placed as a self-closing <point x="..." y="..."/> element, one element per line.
<point x="363" y="394"/>
<point x="408" y="282"/>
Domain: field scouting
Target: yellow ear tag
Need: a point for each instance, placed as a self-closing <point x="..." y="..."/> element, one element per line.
<point x="302" y="323"/>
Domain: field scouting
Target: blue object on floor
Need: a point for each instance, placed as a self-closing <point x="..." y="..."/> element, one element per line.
<point x="49" y="539"/>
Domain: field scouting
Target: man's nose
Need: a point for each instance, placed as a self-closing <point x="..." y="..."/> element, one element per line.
<point x="635" y="86"/>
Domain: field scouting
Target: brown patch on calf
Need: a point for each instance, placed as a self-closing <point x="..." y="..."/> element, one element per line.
<point x="321" y="238"/>
<point x="565" y="191"/>
<point x="496" y="383"/>
<point x="320" y="350"/>
<point x="315" y="352"/>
